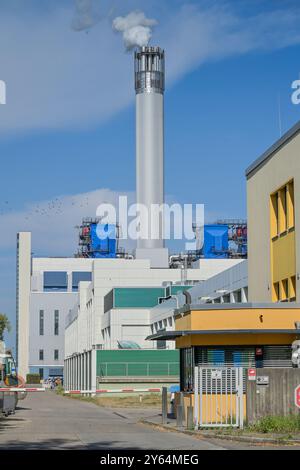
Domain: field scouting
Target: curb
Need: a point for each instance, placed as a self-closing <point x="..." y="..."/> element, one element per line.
<point x="227" y="437"/>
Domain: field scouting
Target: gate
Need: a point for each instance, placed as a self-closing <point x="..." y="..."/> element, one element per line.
<point x="219" y="398"/>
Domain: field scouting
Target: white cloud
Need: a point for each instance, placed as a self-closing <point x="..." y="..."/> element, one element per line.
<point x="194" y="36"/>
<point x="53" y="222"/>
<point x="57" y="78"/>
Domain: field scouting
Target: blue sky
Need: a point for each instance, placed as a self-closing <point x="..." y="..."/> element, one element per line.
<point x="67" y="132"/>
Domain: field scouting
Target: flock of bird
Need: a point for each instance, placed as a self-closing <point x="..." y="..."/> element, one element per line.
<point x="56" y="206"/>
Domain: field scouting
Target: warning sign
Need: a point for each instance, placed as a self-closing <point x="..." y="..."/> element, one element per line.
<point x="252" y="374"/>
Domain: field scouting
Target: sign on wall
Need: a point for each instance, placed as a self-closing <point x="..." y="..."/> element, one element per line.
<point x="251" y="374"/>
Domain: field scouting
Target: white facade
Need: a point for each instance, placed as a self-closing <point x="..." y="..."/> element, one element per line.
<point x="22" y="301"/>
<point x="42" y="346"/>
<point x="90" y="325"/>
<point x="229" y="286"/>
<point x="41" y="312"/>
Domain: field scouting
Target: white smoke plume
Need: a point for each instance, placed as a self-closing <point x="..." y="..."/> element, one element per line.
<point x="136" y="29"/>
<point x="86" y="15"/>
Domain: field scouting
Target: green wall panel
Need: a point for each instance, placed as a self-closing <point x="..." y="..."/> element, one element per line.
<point x="137" y="297"/>
<point x="137" y="363"/>
<point x="176" y="289"/>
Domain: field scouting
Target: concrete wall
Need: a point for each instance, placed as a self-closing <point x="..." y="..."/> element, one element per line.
<point x="48" y="342"/>
<point x="22" y="301"/>
<point x="126" y="325"/>
<point x="283" y="166"/>
<point x="275" y="399"/>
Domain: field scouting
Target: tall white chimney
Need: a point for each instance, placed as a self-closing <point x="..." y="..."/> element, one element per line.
<point x="150" y="87"/>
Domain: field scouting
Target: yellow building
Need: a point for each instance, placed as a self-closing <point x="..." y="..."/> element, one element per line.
<point x="273" y="187"/>
<point x="261" y="333"/>
<point x="240" y="335"/>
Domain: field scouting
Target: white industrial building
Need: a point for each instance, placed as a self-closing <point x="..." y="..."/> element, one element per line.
<point x="46" y="292"/>
<point x="54" y="293"/>
<point x="104" y="302"/>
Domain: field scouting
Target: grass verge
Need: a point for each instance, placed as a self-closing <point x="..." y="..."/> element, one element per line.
<point x="277" y="425"/>
<point x="152" y="400"/>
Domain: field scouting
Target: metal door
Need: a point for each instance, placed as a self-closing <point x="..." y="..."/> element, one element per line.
<point x="219" y="397"/>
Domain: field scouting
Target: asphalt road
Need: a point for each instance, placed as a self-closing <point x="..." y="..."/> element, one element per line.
<point x="49" y="421"/>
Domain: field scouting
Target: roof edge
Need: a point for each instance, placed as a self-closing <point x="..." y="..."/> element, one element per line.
<point x="268" y="154"/>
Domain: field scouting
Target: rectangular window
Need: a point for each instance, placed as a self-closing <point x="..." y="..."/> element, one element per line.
<point x="282" y="210"/>
<point x="41" y="322"/>
<point x="292" y="289"/>
<point x="41" y="372"/>
<point x="56" y="322"/>
<point x="276" y="292"/>
<point x="55" y="281"/>
<point x="41" y="355"/>
<point x="282" y="224"/>
<point x="78" y="277"/>
<point x="56" y="354"/>
<point x="284" y="290"/>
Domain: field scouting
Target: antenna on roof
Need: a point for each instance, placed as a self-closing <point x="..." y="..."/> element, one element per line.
<point x="279" y="115"/>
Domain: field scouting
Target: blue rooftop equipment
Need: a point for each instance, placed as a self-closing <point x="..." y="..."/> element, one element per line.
<point x="103" y="239"/>
<point x="216" y="244"/>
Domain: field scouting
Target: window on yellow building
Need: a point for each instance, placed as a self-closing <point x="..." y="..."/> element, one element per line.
<point x="292" y="289"/>
<point x="285" y="290"/>
<point x="282" y="210"/>
<point x="276" y="295"/>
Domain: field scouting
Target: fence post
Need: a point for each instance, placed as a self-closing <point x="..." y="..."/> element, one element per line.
<point x="196" y="398"/>
<point x="164" y="402"/>
<point x="241" y="394"/>
<point x="179" y="420"/>
<point x="190" y="418"/>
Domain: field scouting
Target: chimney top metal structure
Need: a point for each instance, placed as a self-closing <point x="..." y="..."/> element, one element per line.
<point x="150" y="70"/>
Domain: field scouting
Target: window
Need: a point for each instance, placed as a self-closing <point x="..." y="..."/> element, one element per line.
<point x="56" y="354"/>
<point x="56" y="322"/>
<point x="282" y="210"/>
<point x="238" y="296"/>
<point x="78" y="277"/>
<point x="187" y="369"/>
<point x="285" y="290"/>
<point x="41" y="322"/>
<point x="41" y="355"/>
<point x="292" y="289"/>
<point x="276" y="295"/>
<point x="41" y="372"/>
<point x="55" y="281"/>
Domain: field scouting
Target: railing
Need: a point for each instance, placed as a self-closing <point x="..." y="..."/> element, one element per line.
<point x="139" y="369"/>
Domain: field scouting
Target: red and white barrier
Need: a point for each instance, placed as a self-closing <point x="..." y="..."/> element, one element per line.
<point x="15" y="389"/>
<point x="123" y="390"/>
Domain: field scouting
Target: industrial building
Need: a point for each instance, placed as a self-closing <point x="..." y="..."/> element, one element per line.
<point x="69" y="309"/>
<point x="46" y="292"/>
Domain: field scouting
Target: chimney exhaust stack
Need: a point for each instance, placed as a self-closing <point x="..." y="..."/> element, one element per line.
<point x="150" y="87"/>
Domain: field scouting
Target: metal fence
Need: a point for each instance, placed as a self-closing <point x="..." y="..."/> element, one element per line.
<point x="139" y="369"/>
<point x="219" y="397"/>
